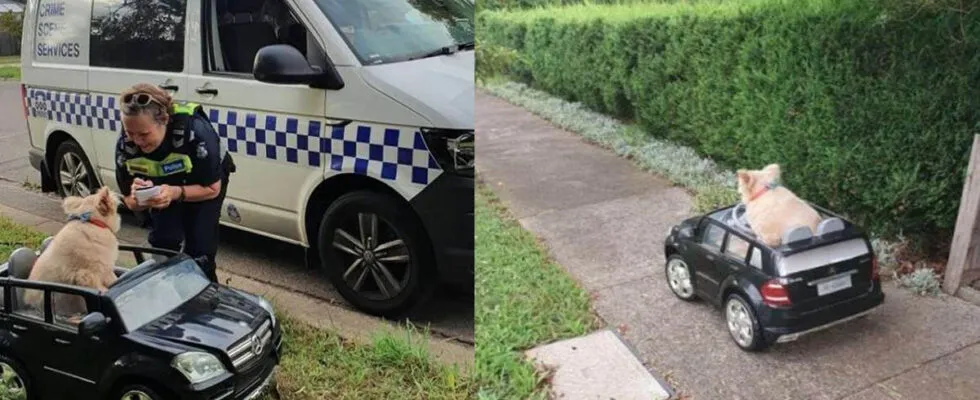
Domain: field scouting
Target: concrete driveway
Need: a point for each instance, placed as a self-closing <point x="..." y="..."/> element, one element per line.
<point x="259" y="258"/>
<point x="604" y="220"/>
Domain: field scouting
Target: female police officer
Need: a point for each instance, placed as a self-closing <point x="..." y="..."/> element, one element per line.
<point x="175" y="147"/>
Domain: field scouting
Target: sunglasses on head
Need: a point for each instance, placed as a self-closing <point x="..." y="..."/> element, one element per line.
<point x="139" y="99"/>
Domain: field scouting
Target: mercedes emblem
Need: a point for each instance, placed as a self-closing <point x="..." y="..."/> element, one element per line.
<point x="256" y="344"/>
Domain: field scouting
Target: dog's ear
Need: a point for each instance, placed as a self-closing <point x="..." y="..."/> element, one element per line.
<point x="105" y="201"/>
<point x="743" y="177"/>
<point x="773" y="170"/>
<point x="73" y="205"/>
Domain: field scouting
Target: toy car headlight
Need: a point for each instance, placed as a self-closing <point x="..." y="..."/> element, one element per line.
<point x="197" y="366"/>
<point x="268" y="307"/>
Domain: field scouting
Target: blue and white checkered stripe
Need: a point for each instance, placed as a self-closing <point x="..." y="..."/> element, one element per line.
<point x="380" y="151"/>
<point x="392" y="154"/>
<point x="99" y="112"/>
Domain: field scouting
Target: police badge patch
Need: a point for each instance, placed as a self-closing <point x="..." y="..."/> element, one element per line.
<point x="202" y="151"/>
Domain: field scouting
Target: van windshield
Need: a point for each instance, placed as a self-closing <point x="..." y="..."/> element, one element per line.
<point x="385" y="31"/>
<point x="160" y="293"/>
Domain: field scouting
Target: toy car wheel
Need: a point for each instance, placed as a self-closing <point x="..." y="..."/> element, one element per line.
<point x="138" y="392"/>
<point x="376" y="254"/>
<point x="679" y="278"/>
<point x="14" y="379"/>
<point x="73" y="174"/>
<point x="742" y="324"/>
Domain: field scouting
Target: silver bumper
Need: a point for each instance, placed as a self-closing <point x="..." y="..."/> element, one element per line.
<point x="265" y="385"/>
<point x="794" y="336"/>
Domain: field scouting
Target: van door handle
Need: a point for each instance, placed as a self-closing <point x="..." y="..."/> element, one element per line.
<point x="710" y="257"/>
<point x="19" y="327"/>
<point x="61" y="341"/>
<point x="172" y="88"/>
<point x="211" y="91"/>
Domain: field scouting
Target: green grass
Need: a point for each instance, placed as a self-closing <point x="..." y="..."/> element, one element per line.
<point x="522" y="300"/>
<point x="318" y="364"/>
<point x="615" y="13"/>
<point x="14" y="235"/>
<point x="7" y="71"/>
<point x="11" y="73"/>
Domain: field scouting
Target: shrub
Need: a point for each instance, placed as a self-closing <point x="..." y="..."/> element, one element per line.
<point x="869" y="106"/>
<point x="922" y="281"/>
<point x="492" y="60"/>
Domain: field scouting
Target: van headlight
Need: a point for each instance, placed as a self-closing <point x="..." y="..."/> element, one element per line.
<point x="453" y="149"/>
<point x="197" y="366"/>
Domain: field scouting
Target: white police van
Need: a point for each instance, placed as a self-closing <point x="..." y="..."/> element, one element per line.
<point x="350" y="122"/>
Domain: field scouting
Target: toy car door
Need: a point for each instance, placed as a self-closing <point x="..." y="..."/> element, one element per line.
<point x="73" y="363"/>
<point x="706" y="256"/>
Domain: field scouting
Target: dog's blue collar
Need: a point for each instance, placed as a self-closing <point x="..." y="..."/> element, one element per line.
<point x="84" y="217"/>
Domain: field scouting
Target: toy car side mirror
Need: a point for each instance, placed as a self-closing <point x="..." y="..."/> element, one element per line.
<point x="92" y="324"/>
<point x="686" y="231"/>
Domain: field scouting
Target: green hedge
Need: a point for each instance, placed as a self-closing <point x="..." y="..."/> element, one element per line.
<point x="870" y="109"/>
<point x="529" y="4"/>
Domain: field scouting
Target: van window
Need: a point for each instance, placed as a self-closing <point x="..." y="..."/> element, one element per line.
<point x="142" y="35"/>
<point x="234" y="31"/>
<point x="384" y="31"/>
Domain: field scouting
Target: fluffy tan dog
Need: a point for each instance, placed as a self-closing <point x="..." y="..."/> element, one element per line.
<point x="771" y="209"/>
<point x="82" y="253"/>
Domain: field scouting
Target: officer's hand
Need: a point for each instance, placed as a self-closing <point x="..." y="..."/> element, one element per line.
<point x="139" y="183"/>
<point x="162" y="199"/>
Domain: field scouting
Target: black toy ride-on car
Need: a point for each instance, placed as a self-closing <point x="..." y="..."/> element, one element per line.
<point x="161" y="331"/>
<point x="810" y="282"/>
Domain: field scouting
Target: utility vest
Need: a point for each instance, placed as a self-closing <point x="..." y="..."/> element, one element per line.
<point x="185" y="147"/>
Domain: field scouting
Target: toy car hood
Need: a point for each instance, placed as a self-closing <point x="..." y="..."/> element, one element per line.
<point x="218" y="316"/>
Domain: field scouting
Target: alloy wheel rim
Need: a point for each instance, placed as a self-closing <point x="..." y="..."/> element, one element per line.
<point x="739" y="323"/>
<point x="679" y="278"/>
<point x="12" y="381"/>
<point x="74" y="176"/>
<point x="136" y="395"/>
<point x="376" y="259"/>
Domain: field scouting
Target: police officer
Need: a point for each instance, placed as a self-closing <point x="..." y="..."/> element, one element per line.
<point x="175" y="147"/>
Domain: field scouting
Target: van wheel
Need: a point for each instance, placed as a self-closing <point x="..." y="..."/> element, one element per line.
<point x="16" y="384"/>
<point x="376" y="254"/>
<point x="73" y="174"/>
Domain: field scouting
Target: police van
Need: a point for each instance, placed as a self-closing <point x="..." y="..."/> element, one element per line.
<point x="350" y="122"/>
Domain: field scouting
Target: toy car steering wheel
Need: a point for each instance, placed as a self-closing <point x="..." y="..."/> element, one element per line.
<point x="737" y="218"/>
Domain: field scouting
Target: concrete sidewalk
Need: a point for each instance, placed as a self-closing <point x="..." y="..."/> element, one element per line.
<point x="604" y="220"/>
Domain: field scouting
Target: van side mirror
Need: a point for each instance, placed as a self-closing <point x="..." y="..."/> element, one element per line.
<point x="284" y="64"/>
<point x="92" y="324"/>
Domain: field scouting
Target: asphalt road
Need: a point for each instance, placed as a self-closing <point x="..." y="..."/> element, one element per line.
<point x="276" y="263"/>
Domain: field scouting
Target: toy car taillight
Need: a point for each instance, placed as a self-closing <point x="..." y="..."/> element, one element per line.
<point x="874" y="267"/>
<point x="774" y="294"/>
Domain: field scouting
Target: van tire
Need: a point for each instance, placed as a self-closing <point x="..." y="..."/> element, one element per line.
<point x="395" y="221"/>
<point x="71" y="149"/>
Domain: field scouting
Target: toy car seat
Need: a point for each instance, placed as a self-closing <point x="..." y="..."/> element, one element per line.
<point x="830" y="225"/>
<point x="21" y="262"/>
<point x="19" y="266"/>
<point x="45" y="244"/>
<point x="796" y="234"/>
